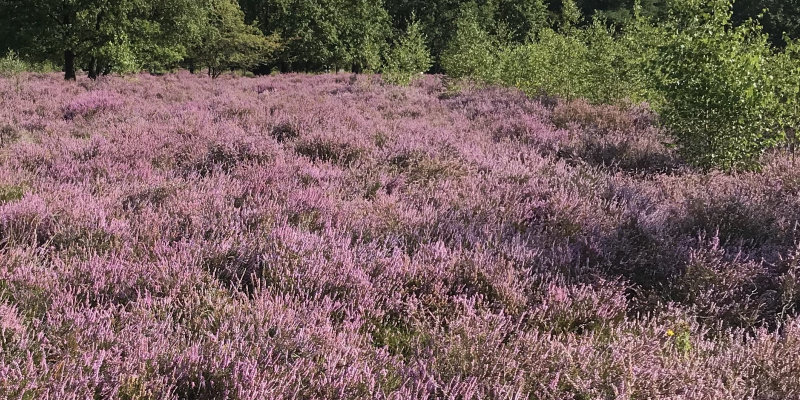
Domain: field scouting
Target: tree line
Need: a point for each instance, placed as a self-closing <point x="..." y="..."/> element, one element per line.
<point x="103" y="36"/>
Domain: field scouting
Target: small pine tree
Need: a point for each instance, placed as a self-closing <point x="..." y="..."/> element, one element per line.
<point x="409" y="57"/>
<point x="473" y="50"/>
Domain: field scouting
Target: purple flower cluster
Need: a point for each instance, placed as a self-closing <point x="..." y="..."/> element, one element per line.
<point x="310" y="237"/>
<point x="87" y="104"/>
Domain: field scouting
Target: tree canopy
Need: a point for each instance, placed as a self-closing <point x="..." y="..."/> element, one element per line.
<point x="226" y="41"/>
<point x="102" y="36"/>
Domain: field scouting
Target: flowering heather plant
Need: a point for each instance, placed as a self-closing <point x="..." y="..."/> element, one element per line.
<point x="90" y="103"/>
<point x="307" y="237"/>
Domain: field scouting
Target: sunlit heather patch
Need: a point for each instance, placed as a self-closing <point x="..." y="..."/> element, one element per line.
<point x="335" y="237"/>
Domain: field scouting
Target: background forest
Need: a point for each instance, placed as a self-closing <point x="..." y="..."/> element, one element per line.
<point x="101" y="36"/>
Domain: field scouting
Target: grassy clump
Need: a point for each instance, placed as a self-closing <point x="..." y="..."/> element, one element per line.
<point x="11" y="193"/>
<point x="324" y="150"/>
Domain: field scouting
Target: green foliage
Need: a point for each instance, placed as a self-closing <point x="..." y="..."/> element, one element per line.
<point x="399" y="337"/>
<point x="306" y="28"/>
<point x="226" y="42"/>
<point x="681" y="338"/>
<point x="164" y="31"/>
<point x="514" y="20"/>
<point x="570" y="17"/>
<point x="780" y="18"/>
<point x="11" y="193"/>
<point x="95" y="32"/>
<point x="522" y="18"/>
<point x="784" y="67"/>
<point x="409" y="57"/>
<point x="365" y="30"/>
<point x="590" y="63"/>
<point x="320" y="35"/>
<point x="554" y="64"/>
<point x="722" y="91"/>
<point x="640" y="38"/>
<point x="721" y="99"/>
<point x="436" y="17"/>
<point x="593" y="62"/>
<point x="128" y="35"/>
<point x="608" y="72"/>
<point x="621" y="13"/>
<point x="317" y="35"/>
<point x="11" y="65"/>
<point x="472" y="52"/>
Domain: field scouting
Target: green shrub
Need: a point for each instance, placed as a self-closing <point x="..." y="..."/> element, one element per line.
<point x="785" y="69"/>
<point x="593" y="62"/>
<point x="570" y="17"/>
<point x="44" y="67"/>
<point x="408" y="58"/>
<point x="723" y="93"/>
<point x="11" y="65"/>
<point x="640" y="40"/>
<point x="722" y="101"/>
<point x="616" y="65"/>
<point x="554" y="64"/>
<point x="472" y="53"/>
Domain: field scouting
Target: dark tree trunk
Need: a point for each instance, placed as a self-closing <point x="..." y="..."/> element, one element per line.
<point x="93" y="68"/>
<point x="93" y="63"/>
<point x="191" y="66"/>
<point x="69" y="65"/>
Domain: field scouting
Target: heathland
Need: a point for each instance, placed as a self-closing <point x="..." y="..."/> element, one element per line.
<point x="335" y="236"/>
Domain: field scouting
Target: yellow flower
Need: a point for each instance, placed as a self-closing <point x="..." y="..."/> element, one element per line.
<point x="670" y="332"/>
